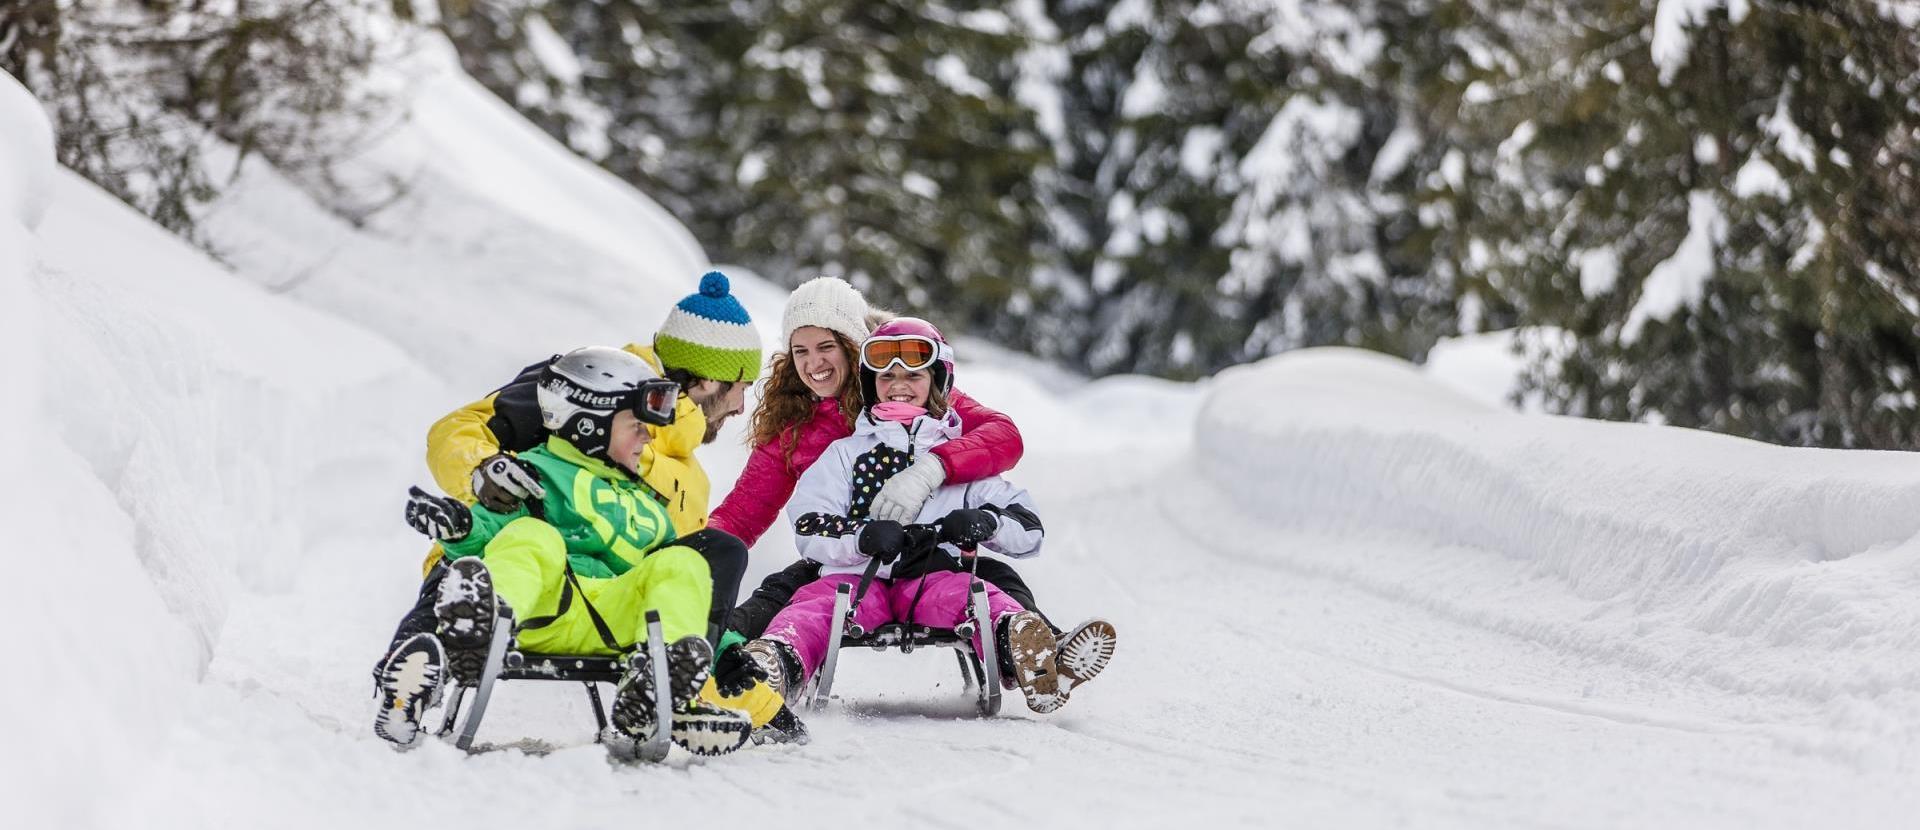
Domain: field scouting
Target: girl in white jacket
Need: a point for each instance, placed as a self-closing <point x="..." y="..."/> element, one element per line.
<point x="906" y="370"/>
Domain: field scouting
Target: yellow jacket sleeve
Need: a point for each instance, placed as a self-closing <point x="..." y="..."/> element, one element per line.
<point x="458" y="443"/>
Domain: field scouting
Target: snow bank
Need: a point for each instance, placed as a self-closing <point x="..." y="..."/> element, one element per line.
<point x="213" y="430"/>
<point x="191" y="427"/>
<point x="26" y="167"/>
<point x="26" y="147"/>
<point x="1757" y="569"/>
<point x="35" y="547"/>
<point x="1484" y="366"/>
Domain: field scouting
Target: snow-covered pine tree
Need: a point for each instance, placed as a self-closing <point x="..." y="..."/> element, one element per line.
<point x="1161" y="98"/>
<point x="1238" y="178"/>
<point x="1705" y="196"/>
<point x="1326" y="238"/>
<point x="881" y="141"/>
<point x="140" y="93"/>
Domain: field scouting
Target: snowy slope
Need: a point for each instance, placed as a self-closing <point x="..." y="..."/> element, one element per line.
<point x="1349" y="595"/>
<point x="1772" y="578"/>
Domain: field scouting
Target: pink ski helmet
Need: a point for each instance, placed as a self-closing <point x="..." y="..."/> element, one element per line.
<point x="911" y="342"/>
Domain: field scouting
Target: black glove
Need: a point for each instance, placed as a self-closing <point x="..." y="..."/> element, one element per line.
<point x="923" y="554"/>
<point x="502" y="483"/>
<point x="968" y="527"/>
<point x="884" y="540"/>
<point x="734" y="671"/>
<point x="438" y="517"/>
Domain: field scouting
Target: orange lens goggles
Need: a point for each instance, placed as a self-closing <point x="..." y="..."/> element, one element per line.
<point x="654" y="401"/>
<point x="911" y="351"/>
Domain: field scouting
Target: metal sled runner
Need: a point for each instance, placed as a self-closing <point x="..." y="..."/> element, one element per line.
<point x="507" y="663"/>
<point x="980" y="676"/>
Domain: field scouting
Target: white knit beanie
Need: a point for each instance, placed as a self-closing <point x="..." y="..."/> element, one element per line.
<point x="827" y="302"/>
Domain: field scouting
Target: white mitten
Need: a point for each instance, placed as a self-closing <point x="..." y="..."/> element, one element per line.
<point x="901" y="498"/>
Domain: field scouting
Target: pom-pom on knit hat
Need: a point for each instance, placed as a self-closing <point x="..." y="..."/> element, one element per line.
<point x="827" y="302"/>
<point x="710" y="334"/>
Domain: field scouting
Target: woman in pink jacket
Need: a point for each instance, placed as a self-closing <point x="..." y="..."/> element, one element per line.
<point x="811" y="396"/>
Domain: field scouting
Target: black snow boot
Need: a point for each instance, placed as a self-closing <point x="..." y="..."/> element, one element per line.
<point x="409" y="686"/>
<point x="784" y="728"/>
<point x="697" y="727"/>
<point x="467" y="611"/>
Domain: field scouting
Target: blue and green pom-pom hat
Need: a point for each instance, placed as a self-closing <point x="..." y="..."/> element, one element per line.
<point x="710" y="334"/>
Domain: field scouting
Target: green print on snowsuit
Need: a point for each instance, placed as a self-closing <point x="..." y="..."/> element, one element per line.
<point x="597" y="522"/>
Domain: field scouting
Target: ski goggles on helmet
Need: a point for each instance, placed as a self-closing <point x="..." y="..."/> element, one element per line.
<point x="653" y="401"/>
<point x="913" y="352"/>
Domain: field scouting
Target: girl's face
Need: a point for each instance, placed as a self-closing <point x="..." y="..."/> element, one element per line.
<point x="629" y="437"/>
<point x="898" y="384"/>
<point x="817" y="356"/>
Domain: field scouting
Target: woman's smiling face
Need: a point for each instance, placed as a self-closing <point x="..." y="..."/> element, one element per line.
<point x="816" y="354"/>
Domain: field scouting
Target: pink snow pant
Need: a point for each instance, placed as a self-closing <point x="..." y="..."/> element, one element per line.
<point x="807" y="621"/>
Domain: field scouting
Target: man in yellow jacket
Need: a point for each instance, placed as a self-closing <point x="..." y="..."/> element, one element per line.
<point x="708" y="345"/>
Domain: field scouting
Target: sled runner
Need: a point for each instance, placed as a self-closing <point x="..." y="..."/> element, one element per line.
<point x="504" y="662"/>
<point x="981" y="677"/>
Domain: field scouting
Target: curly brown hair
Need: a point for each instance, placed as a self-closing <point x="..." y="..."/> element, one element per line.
<point x="786" y="402"/>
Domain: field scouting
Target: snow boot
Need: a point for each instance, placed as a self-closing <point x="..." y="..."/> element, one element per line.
<point x="1030" y="649"/>
<point x="1084" y="653"/>
<point x="704" y="729"/>
<point x="409" y="686"/>
<point x="633" y="713"/>
<point x="697" y="727"/>
<point x="777" y="660"/>
<point x="467" y="611"/>
<point x="784" y="728"/>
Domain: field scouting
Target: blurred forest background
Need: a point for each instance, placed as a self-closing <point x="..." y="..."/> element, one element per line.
<point x="1696" y="212"/>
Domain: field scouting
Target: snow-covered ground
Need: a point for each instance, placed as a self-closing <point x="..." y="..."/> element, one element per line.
<point x="1349" y="594"/>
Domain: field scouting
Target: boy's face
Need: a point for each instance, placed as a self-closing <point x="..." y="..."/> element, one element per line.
<point x="629" y="437"/>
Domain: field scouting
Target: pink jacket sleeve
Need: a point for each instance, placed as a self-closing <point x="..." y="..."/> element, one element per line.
<point x="756" y="499"/>
<point x="989" y="443"/>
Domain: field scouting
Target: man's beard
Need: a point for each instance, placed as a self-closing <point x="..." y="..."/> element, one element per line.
<point x="714" y="423"/>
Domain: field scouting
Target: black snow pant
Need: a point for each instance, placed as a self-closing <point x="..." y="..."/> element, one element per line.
<point x="753" y="616"/>
<point x="420" y="619"/>
<point x="726" y="559"/>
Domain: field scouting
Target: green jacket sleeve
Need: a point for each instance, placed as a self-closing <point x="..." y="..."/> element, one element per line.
<point x="486" y="525"/>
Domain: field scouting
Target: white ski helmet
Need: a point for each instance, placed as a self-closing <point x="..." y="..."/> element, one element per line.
<point x="581" y="391"/>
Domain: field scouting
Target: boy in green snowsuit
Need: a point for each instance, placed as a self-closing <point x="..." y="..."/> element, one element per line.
<point x="575" y="571"/>
<point x="595" y="521"/>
